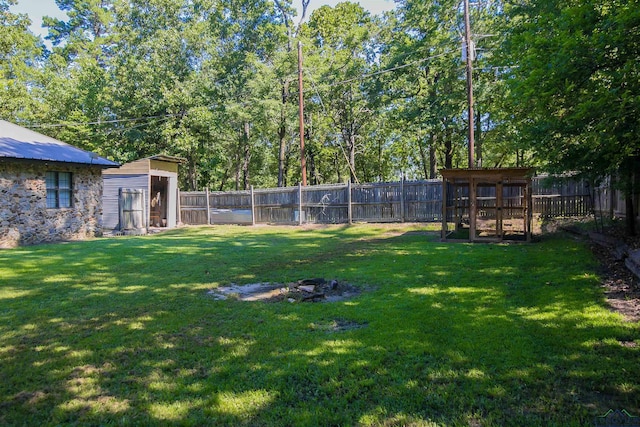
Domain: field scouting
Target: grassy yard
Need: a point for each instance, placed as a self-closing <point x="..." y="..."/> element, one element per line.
<point x="122" y="332"/>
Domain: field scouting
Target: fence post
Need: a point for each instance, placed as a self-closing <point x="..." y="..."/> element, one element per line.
<point x="299" y="203"/>
<point x="253" y="207"/>
<point x="443" y="230"/>
<point x="179" y="207"/>
<point x="349" y="209"/>
<point x="208" y="207"/>
<point x="402" y="198"/>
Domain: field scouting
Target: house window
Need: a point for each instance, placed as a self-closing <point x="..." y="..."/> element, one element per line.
<point x="58" y="189"/>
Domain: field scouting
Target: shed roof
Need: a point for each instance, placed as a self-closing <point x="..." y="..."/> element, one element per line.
<point x="491" y="174"/>
<point x="165" y="158"/>
<point x="146" y="165"/>
<point x="19" y="143"/>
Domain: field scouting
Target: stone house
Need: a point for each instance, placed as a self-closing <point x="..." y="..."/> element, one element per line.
<point x="49" y="190"/>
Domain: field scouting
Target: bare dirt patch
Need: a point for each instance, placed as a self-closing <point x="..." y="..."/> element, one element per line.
<point x="621" y="286"/>
<point x="337" y="325"/>
<point x="305" y="290"/>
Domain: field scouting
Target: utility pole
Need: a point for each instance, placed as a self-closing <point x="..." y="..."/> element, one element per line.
<point x="303" y="160"/>
<point x="469" y="52"/>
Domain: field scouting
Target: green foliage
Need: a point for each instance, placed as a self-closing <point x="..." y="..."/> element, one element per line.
<point x="122" y="331"/>
<point x="430" y="99"/>
<point x="214" y="81"/>
<point x="575" y="87"/>
<point x="341" y="44"/>
<point x="20" y="54"/>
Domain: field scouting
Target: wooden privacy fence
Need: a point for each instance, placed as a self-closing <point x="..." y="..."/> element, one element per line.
<point x="610" y="202"/>
<point x="404" y="201"/>
<point x="561" y="197"/>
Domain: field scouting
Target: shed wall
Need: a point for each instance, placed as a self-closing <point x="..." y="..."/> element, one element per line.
<point x="112" y="185"/>
<point x="160" y="165"/>
<point x="137" y="167"/>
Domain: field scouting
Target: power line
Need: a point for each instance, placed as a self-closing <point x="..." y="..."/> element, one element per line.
<point x="102" y="122"/>
<point x="363" y="76"/>
<point x="387" y="70"/>
<point x="167" y="116"/>
<point x="130" y="128"/>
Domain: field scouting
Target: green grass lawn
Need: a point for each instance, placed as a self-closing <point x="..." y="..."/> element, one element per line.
<point x="122" y="332"/>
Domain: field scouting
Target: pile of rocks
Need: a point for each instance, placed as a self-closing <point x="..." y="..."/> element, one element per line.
<point x="305" y="290"/>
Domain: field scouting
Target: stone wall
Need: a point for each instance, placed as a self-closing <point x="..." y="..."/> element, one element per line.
<point x="24" y="216"/>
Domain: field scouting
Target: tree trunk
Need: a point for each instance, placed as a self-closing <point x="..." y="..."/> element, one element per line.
<point x="285" y="172"/>
<point x="282" y="133"/>
<point x="448" y="150"/>
<point x="310" y="153"/>
<point x="223" y="181"/>
<point x="519" y="157"/>
<point x="630" y="214"/>
<point x="424" y="159"/>
<point x="433" y="160"/>
<point x="238" y="168"/>
<point x="192" y="174"/>
<point x="380" y="160"/>
<point x="313" y="171"/>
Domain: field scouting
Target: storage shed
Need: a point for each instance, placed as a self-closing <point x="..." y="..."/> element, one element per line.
<point x="141" y="194"/>
<point x="486" y="205"/>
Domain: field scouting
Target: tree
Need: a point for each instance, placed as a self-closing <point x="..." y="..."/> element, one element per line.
<point x="20" y="54"/>
<point x="575" y="85"/>
<point x="427" y="89"/>
<point x="75" y="87"/>
<point x="135" y="78"/>
<point x="340" y="56"/>
<point x="249" y="38"/>
<point x="163" y="82"/>
<point x="284" y="66"/>
<point x="430" y="96"/>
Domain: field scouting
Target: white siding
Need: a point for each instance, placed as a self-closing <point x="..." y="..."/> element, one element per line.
<point x="112" y="185"/>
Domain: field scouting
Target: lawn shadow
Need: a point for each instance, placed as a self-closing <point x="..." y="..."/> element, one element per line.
<point x="122" y="332"/>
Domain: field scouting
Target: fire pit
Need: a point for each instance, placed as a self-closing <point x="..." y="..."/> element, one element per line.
<point x="305" y="290"/>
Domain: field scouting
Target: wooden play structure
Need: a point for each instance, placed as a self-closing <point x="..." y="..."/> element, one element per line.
<point x="486" y="205"/>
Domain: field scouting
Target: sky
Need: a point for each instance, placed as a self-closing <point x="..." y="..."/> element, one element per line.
<point x="36" y="9"/>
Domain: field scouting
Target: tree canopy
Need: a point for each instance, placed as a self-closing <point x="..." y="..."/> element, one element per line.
<point x="575" y="86"/>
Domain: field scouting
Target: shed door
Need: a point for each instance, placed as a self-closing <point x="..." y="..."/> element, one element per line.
<point x="132" y="212"/>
